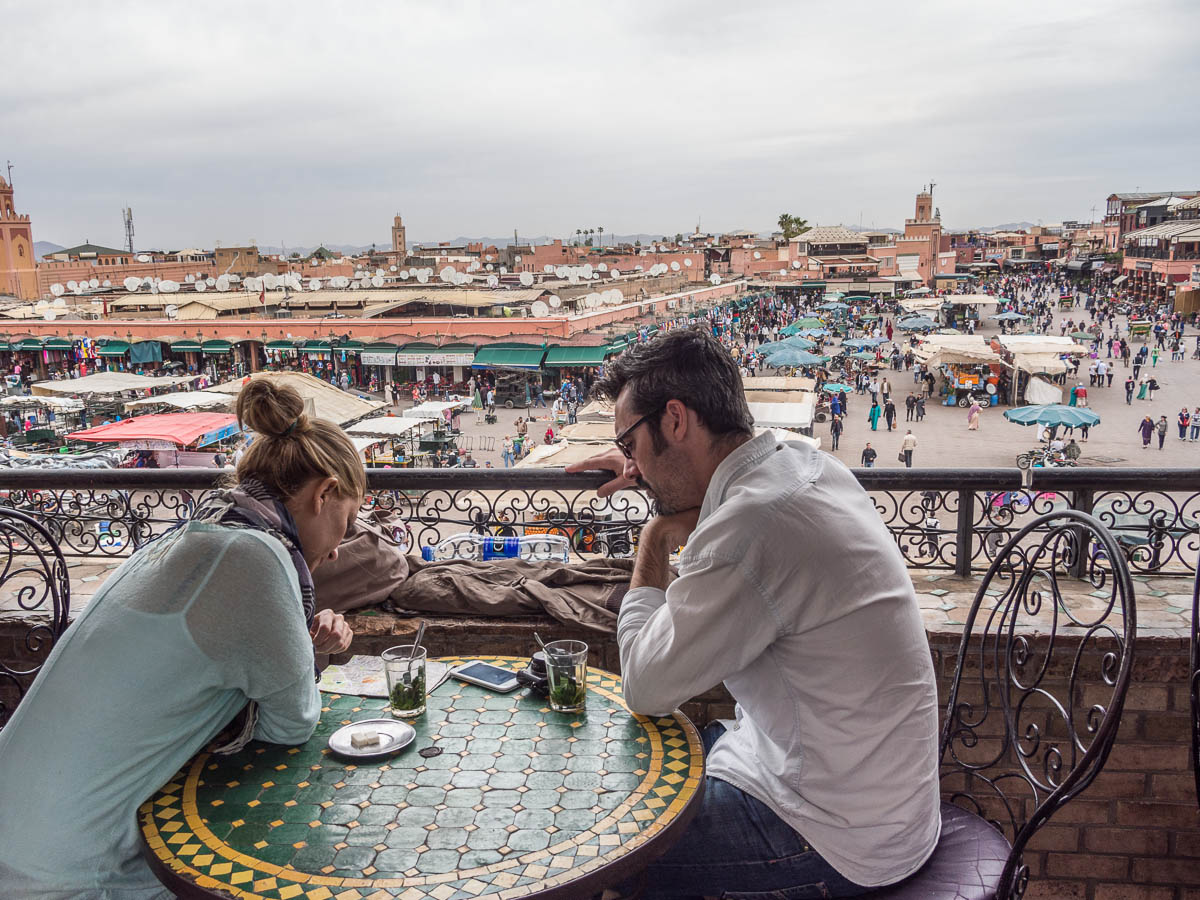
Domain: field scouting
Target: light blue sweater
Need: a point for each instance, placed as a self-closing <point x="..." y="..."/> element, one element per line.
<point x="171" y="648"/>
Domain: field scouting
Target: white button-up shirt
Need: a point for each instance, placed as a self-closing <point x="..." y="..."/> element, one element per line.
<point x="792" y="592"/>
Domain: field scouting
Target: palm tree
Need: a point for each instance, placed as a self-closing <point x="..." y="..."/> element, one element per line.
<point x="578" y="232"/>
<point x="601" y="230"/>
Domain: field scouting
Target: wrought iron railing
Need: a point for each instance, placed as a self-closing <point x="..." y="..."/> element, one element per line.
<point x="941" y="519"/>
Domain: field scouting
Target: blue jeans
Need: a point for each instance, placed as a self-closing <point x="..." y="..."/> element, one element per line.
<point x="736" y="847"/>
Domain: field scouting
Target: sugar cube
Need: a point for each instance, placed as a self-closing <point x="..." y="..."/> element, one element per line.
<point x="360" y="739"/>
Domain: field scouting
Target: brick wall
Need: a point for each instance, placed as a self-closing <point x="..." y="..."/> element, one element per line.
<point x="1133" y="835"/>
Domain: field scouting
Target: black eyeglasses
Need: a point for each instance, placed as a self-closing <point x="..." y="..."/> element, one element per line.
<point x="619" y="440"/>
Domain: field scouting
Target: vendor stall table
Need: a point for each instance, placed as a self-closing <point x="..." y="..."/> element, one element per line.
<point x="497" y="796"/>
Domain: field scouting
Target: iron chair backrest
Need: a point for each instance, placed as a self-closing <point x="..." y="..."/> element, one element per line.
<point x="34" y="573"/>
<point x="1194" y="680"/>
<point x="1052" y="737"/>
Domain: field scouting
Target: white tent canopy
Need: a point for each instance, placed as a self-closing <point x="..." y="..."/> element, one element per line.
<point x="784" y="415"/>
<point x="940" y="349"/>
<point x="186" y="400"/>
<point x="384" y="426"/>
<point x="108" y="383"/>
<point x="1040" y="344"/>
<point x="59" y="403"/>
<point x="327" y="401"/>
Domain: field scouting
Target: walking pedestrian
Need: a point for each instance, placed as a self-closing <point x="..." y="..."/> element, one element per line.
<point x="1151" y="386"/>
<point x="1195" y="432"/>
<point x="920" y="408"/>
<point x="1130" y="384"/>
<point x="889" y="414"/>
<point x="1185" y="419"/>
<point x="868" y="457"/>
<point x="873" y="415"/>
<point x="1146" y="430"/>
<point x="907" y="446"/>
<point x="973" y="415"/>
<point x="1161" y="427"/>
<point x="835" y="431"/>
<point x="910" y="406"/>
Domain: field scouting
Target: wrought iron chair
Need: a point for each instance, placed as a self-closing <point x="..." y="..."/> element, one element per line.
<point x="1194" y="678"/>
<point x="34" y="573"/>
<point x="1021" y="738"/>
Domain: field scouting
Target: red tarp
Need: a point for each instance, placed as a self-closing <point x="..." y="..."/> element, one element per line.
<point x="181" y="429"/>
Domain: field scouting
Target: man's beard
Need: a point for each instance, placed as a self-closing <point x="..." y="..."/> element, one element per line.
<point x="658" y="507"/>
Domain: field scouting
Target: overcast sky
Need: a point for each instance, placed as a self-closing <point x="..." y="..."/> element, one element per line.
<point x="307" y="122"/>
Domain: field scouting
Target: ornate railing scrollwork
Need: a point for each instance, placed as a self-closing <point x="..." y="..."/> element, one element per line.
<point x="34" y="580"/>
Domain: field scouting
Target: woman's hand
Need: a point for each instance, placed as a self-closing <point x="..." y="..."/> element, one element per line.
<point x="612" y="460"/>
<point x="330" y="633"/>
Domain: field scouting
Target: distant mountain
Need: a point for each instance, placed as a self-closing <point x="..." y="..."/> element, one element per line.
<point x="43" y="248"/>
<point x="609" y="239"/>
<point x="1007" y="226"/>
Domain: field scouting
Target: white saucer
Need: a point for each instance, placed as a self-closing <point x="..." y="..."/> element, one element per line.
<point x="394" y="735"/>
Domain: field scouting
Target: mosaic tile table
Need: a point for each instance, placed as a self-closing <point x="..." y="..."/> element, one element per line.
<point x="521" y="802"/>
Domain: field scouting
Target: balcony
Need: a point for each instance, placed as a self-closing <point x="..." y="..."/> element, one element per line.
<point x="948" y="524"/>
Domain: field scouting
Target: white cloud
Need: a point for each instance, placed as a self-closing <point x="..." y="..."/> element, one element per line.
<point x="307" y="121"/>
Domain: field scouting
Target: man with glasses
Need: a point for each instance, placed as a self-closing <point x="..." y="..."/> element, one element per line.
<point x="827" y="782"/>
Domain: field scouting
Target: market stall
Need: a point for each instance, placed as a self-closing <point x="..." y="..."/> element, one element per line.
<point x="171" y="440"/>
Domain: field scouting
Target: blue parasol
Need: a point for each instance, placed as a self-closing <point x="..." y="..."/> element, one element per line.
<point x="1053" y="414"/>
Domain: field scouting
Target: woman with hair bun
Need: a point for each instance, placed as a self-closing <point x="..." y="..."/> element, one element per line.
<point x="211" y="624"/>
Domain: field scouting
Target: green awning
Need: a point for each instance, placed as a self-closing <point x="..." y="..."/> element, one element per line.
<point x="281" y="345"/>
<point x="216" y="347"/>
<point x="114" y="348"/>
<point x="30" y="343"/>
<point x="57" y="343"/>
<point x="508" y="358"/>
<point x="351" y="346"/>
<point x="566" y="357"/>
<point x="185" y="347"/>
<point x="380" y="347"/>
<point x="4" y="345"/>
<point x="315" y="347"/>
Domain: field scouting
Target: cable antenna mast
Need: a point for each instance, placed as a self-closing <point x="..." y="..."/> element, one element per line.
<point x="128" y="215"/>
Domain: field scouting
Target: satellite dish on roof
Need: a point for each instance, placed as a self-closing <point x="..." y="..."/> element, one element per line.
<point x="504" y="270"/>
<point x="253" y="284"/>
<point x="95" y="282"/>
<point x="447" y="274"/>
<point x="210" y="281"/>
<point x="222" y="284"/>
<point x="587" y="270"/>
<point x="354" y="285"/>
<point x="492" y="281"/>
<point x="783" y="271"/>
<point x="715" y="279"/>
<point x="60" y="303"/>
<point x="189" y="278"/>
<point x="555" y="301"/>
<point x="688" y="263"/>
<point x="516" y="259"/>
<point x="423" y="276"/>
<point x="548" y="269"/>
<point x="539" y="309"/>
<point x="615" y="273"/>
<point x="57" y="289"/>
<point x="49" y="315"/>
<point x="200" y="286"/>
<point x="377" y="281"/>
<point x="674" y="267"/>
<point x="106" y="283"/>
<point x="527" y="279"/>
<point x="795" y="263"/>
<point x="143" y="258"/>
<point x="488" y="257"/>
<point x="168" y="287"/>
<point x="601" y="267"/>
<point x="71" y="285"/>
<point x="757" y="255"/>
<point x="171" y="311"/>
<point x="132" y="284"/>
<point x="379" y="272"/>
<point x="391" y="268"/>
<point x="314" y="284"/>
<point x="268" y="281"/>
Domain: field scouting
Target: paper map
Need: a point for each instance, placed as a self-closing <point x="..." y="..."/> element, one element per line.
<point x="363" y="676"/>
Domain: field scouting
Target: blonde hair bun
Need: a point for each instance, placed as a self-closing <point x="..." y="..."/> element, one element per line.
<point x="272" y="410"/>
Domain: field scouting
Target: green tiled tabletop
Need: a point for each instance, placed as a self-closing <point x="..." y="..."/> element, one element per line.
<point x="522" y="801"/>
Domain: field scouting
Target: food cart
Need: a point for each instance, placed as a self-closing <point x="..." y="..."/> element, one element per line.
<point x="387" y="441"/>
<point x="1139" y="329"/>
